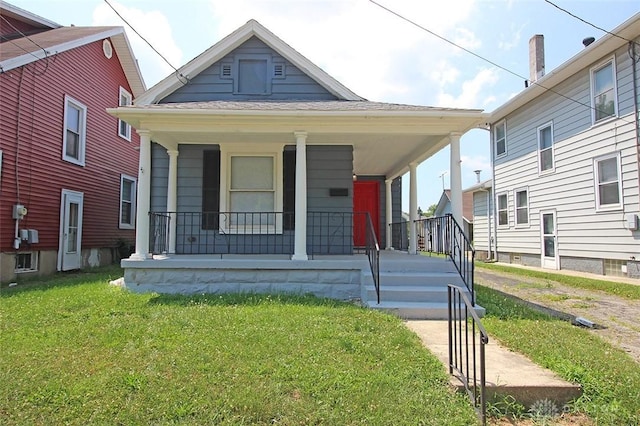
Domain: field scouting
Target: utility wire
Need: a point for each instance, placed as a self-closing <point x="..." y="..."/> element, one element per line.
<point x="483" y="58"/>
<point x="588" y="23"/>
<point x="46" y="54"/>
<point x="177" y="72"/>
<point x="23" y="34"/>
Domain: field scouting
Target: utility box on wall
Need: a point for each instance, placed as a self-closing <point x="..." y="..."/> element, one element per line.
<point x="632" y="222"/>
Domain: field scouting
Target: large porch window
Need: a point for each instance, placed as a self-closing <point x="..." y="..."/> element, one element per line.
<point x="252" y="190"/>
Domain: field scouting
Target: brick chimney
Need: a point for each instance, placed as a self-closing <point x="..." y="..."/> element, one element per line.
<point x="536" y="57"/>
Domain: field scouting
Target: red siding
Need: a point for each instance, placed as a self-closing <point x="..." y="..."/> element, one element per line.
<point x="10" y="27"/>
<point x="39" y="88"/>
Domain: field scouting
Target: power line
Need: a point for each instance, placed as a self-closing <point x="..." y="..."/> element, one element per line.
<point x="177" y="72"/>
<point x="46" y="54"/>
<point x="587" y="22"/>
<point x="483" y="58"/>
<point x="23" y="34"/>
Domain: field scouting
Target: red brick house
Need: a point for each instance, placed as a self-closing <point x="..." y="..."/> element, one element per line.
<point x="68" y="170"/>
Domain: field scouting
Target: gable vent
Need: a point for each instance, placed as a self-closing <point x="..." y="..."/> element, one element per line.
<point x="226" y="71"/>
<point x="278" y="70"/>
<point x="107" y="49"/>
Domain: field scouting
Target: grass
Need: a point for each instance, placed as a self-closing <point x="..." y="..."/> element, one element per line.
<point x="628" y="291"/>
<point x="610" y="379"/>
<point x="78" y="351"/>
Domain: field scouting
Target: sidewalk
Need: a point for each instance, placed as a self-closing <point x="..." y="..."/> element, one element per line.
<point x="507" y="373"/>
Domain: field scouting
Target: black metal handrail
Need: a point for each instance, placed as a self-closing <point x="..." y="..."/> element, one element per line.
<point x="465" y="333"/>
<point x="443" y="235"/>
<point x="373" y="253"/>
<point x="159" y="224"/>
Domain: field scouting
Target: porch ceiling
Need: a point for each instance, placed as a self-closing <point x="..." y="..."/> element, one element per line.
<point x="385" y="140"/>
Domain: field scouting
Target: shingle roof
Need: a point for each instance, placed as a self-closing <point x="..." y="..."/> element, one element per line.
<point x="293" y="105"/>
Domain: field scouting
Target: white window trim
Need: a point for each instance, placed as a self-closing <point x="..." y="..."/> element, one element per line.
<point x="254" y="150"/>
<point x="83" y="132"/>
<point x="515" y="207"/>
<point x="34" y="262"/>
<point x="498" y="210"/>
<point x="121" y="224"/>
<point x="592" y="72"/>
<point x="596" y="182"/>
<point x="502" y="123"/>
<point x="553" y="150"/>
<point x="124" y="92"/>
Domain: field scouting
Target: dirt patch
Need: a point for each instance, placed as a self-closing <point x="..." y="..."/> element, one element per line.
<point x="562" y="420"/>
<point x="615" y="318"/>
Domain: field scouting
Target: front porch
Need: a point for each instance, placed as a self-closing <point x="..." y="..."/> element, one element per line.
<point x="413" y="286"/>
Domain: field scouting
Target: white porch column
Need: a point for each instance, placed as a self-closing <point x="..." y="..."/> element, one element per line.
<point x="413" y="208"/>
<point x="300" y="248"/>
<point x="172" y="197"/>
<point x="143" y="197"/>
<point x="455" y="174"/>
<point x="389" y="213"/>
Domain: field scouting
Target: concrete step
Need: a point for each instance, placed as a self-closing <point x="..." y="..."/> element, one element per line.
<point x="410" y="293"/>
<point x="422" y="279"/>
<point x="413" y="310"/>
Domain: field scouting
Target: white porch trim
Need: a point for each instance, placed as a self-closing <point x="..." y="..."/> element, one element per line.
<point x="456" y="177"/>
<point x="389" y="213"/>
<point x="413" y="208"/>
<point x="300" y="248"/>
<point x="172" y="197"/>
<point x="144" y="189"/>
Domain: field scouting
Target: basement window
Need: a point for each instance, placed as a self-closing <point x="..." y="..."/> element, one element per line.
<point x="26" y="262"/>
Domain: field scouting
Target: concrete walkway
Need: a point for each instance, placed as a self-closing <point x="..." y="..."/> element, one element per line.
<point x="507" y="373"/>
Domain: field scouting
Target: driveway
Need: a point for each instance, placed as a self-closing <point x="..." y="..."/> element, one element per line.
<point x="617" y="319"/>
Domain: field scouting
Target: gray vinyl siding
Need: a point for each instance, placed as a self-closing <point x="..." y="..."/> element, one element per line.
<point x="570" y="190"/>
<point x="480" y="222"/>
<point x="209" y="85"/>
<point x="159" y="178"/>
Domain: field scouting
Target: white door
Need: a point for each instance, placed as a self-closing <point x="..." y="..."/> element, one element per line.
<point x="70" y="252"/>
<point x="549" y="239"/>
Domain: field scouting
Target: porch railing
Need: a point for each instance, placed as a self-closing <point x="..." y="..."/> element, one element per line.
<point x="467" y="341"/>
<point x="400" y="235"/>
<point x="373" y="253"/>
<point x="443" y="235"/>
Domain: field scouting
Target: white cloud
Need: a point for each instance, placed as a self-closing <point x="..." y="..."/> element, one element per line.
<point x="466" y="39"/>
<point x="471" y="91"/>
<point x="512" y="39"/>
<point x="444" y="73"/>
<point x="155" y="28"/>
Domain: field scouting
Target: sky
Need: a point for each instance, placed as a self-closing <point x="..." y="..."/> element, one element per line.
<point x="376" y="54"/>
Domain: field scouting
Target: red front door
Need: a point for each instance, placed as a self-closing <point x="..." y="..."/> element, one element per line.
<point x="366" y="199"/>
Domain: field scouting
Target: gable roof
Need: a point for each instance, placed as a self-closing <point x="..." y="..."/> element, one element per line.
<point x="219" y="50"/>
<point x="467" y="204"/>
<point x="26" y="16"/>
<point x="630" y="29"/>
<point x="481" y="186"/>
<point x="19" y="52"/>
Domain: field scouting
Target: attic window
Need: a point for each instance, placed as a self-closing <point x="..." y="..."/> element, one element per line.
<point x="225" y="70"/>
<point x="252" y="75"/>
<point x="278" y="71"/>
<point x="107" y="49"/>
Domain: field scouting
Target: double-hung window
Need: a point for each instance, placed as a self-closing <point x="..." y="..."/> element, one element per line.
<point x="75" y="128"/>
<point x="608" y="184"/>
<point x="545" y="148"/>
<point x="503" y="210"/>
<point x="124" y="129"/>
<point x="604" y="96"/>
<point x="127" y="202"/>
<point x="522" y="206"/>
<point x="500" y="138"/>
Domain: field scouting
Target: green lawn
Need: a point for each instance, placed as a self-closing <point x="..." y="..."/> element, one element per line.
<point x="78" y="351"/>
<point x="610" y="378"/>
<point x="628" y="291"/>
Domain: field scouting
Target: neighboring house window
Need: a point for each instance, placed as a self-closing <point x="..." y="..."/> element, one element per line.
<point x="74" y="138"/>
<point x="26" y="262"/>
<point x="500" y="138"/>
<point x="253" y="75"/>
<point x="127" y="202"/>
<point x="503" y="210"/>
<point x="522" y="206"/>
<point x="608" y="183"/>
<point x="211" y="189"/>
<point x="603" y="91"/>
<point x="124" y="129"/>
<point x="545" y="147"/>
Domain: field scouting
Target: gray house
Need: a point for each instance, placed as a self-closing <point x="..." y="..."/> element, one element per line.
<point x="566" y="163"/>
<point x="258" y="168"/>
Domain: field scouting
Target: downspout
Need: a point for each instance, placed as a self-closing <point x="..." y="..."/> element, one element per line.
<point x="489" y="245"/>
<point x="493" y="192"/>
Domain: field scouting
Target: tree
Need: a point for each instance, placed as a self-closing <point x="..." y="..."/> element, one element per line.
<point x="431" y="210"/>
